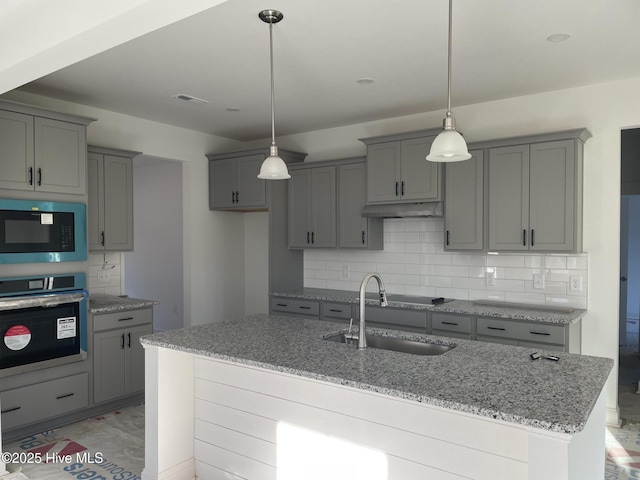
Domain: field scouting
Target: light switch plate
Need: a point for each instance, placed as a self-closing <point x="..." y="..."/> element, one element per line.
<point x="575" y="283"/>
<point x="538" y="280"/>
<point x="104" y="276"/>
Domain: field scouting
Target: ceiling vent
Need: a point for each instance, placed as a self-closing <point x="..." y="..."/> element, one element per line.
<point x="190" y="98"/>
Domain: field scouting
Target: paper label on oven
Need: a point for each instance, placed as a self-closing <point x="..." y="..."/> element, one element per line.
<point x="66" y="327"/>
<point x="17" y="337"/>
<point x="46" y="218"/>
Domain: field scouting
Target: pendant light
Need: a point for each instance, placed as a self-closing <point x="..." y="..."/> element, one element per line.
<point x="449" y="146"/>
<point x="273" y="167"/>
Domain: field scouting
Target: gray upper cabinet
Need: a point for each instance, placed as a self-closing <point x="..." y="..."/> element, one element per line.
<point x="110" y="202"/>
<point x="41" y="150"/>
<point x="397" y="169"/>
<point x="535" y="195"/>
<point x="234" y="183"/>
<point x="355" y="231"/>
<point x="464" y="204"/>
<point x="312" y="208"/>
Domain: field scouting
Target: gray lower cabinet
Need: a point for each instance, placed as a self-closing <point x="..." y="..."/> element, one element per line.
<point x="451" y="325"/>
<point x="464" y="204"/>
<point x="534" y="197"/>
<point x="110" y="201"/>
<point x="33" y="403"/>
<point x="525" y="334"/>
<point x="234" y="182"/>
<point x="354" y="230"/>
<point x="41" y="150"/>
<point x="312" y="207"/>
<point x="397" y="169"/>
<point x="118" y="364"/>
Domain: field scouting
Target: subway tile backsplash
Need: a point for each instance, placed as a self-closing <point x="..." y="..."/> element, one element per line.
<point x="112" y="263"/>
<point x="414" y="262"/>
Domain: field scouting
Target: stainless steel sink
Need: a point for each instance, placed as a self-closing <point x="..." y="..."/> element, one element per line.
<point x="393" y="344"/>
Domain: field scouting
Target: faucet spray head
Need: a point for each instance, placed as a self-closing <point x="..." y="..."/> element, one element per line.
<point x="383" y="299"/>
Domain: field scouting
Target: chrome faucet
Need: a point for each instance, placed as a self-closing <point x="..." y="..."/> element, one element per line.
<point x="362" y="337"/>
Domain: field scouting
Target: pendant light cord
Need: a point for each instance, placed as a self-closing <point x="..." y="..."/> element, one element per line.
<point x="449" y="62"/>
<point x="273" y="115"/>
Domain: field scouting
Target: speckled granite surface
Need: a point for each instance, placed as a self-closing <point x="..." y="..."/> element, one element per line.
<point x="490" y="380"/>
<point x="113" y="303"/>
<point x="457" y="306"/>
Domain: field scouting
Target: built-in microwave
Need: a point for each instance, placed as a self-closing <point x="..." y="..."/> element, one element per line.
<point x="37" y="231"/>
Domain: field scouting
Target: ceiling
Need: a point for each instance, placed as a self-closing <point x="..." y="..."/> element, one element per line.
<point x="322" y="47"/>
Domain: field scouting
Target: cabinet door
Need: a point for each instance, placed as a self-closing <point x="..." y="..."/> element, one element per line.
<point x="300" y="209"/>
<point x="420" y="178"/>
<point x="108" y="365"/>
<point x="509" y="198"/>
<point x="222" y="183"/>
<point x="95" y="201"/>
<point x="551" y="196"/>
<point x="464" y="208"/>
<point x="383" y="172"/>
<point x="16" y="154"/>
<point x="134" y="358"/>
<point x="60" y="156"/>
<point x="118" y="203"/>
<point x="353" y="227"/>
<point x="323" y="204"/>
<point x="251" y="190"/>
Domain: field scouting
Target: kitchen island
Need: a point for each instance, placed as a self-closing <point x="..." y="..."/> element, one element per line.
<point x="266" y="397"/>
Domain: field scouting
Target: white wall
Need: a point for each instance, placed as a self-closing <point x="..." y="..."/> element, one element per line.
<point x="154" y="269"/>
<point x="605" y="109"/>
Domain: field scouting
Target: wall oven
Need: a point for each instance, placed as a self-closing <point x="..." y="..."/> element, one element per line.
<point x="36" y="231"/>
<point x="42" y="322"/>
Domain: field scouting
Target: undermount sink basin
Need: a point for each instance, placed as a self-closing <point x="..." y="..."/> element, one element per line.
<point x="393" y="344"/>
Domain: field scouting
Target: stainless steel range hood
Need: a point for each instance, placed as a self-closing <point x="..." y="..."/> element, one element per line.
<point x="402" y="210"/>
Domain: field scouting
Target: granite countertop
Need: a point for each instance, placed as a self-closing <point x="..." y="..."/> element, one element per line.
<point x="490" y="380"/>
<point x="532" y="313"/>
<point x="99" y="303"/>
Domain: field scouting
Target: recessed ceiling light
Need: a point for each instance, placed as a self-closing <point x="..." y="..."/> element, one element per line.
<point x="189" y="98"/>
<point x="233" y="109"/>
<point x="365" y="81"/>
<point x="558" y="37"/>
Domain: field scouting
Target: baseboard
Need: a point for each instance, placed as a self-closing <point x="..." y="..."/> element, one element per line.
<point x="183" y="471"/>
<point x="613" y="416"/>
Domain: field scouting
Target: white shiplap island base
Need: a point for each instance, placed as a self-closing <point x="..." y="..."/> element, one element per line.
<point x="265" y="397"/>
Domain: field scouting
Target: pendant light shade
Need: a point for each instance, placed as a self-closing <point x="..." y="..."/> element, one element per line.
<point x="273" y="167"/>
<point x="449" y="146"/>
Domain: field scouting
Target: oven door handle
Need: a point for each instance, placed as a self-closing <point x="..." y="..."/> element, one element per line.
<point x="46" y="300"/>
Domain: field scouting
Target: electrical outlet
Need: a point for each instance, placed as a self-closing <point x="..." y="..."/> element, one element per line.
<point x="575" y="283"/>
<point x="346" y="271"/>
<point x="538" y="280"/>
<point x="490" y="278"/>
<point x="104" y="276"/>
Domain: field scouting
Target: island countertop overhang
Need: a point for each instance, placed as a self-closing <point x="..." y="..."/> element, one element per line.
<point x="489" y="380"/>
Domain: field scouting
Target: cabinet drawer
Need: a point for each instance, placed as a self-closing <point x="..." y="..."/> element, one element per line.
<point x="497" y="328"/>
<point x="336" y="310"/>
<point x="529" y="332"/>
<point x="32" y="403"/>
<point x="542" y="346"/>
<point x="501" y="341"/>
<point x="299" y="307"/>
<point x="124" y="319"/>
<point x="450" y="323"/>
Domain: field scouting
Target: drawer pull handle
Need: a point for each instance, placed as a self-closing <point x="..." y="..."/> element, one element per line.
<point x="59" y="397"/>
<point x="10" y="409"/>
<point x="335" y="310"/>
<point x="126" y="319"/>
<point x="305" y="308"/>
<point x="540" y="333"/>
<point x="449" y="323"/>
<point x="282" y="305"/>
<point x="496" y="328"/>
